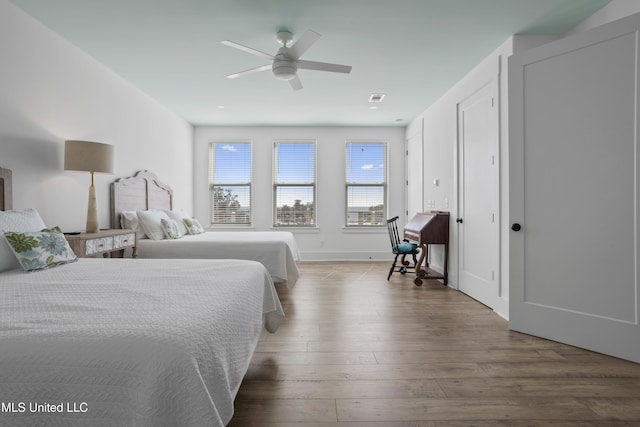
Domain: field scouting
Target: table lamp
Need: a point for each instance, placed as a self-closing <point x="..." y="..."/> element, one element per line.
<point x="87" y="156"/>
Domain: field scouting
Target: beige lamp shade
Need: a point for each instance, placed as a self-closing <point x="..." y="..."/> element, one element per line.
<point x="88" y="156"/>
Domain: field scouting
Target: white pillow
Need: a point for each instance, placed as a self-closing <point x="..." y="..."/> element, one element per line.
<point x="129" y="220"/>
<point x="18" y="221"/>
<point x="178" y="217"/>
<point x="150" y="223"/>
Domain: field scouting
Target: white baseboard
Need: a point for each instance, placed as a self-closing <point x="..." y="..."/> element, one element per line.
<point x="346" y="256"/>
<point x="366" y="256"/>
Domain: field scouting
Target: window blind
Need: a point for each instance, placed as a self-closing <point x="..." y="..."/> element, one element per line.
<point x="366" y="183"/>
<point x="294" y="183"/>
<point x="230" y="183"/>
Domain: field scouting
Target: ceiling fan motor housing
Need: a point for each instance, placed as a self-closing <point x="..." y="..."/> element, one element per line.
<point x="284" y="64"/>
<point x="284" y="68"/>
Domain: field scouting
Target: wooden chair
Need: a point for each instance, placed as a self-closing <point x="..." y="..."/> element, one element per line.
<point x="401" y="247"/>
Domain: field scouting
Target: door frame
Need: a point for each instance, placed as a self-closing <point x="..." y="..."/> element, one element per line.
<point x="493" y="84"/>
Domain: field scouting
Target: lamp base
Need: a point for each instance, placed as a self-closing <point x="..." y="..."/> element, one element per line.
<point x="92" y="212"/>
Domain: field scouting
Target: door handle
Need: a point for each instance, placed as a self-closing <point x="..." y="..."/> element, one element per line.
<point x="459" y="220"/>
<point x="516" y="227"/>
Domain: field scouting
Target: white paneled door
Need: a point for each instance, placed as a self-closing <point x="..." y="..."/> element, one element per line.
<point x="478" y="175"/>
<point x="574" y="190"/>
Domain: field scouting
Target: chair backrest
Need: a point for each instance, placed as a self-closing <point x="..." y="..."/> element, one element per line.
<point x="394" y="236"/>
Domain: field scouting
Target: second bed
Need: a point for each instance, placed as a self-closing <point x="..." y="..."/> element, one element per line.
<point x="276" y="250"/>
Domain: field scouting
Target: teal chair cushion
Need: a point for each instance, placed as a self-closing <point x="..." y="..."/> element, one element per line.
<point x="406" y="247"/>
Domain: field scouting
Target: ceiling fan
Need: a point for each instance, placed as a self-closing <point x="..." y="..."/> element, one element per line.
<point x="286" y="62"/>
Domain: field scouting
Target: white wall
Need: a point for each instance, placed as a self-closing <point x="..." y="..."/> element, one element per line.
<point x="330" y="240"/>
<point x="415" y="168"/>
<point x="49" y="92"/>
<point x="439" y="124"/>
<point x="440" y="142"/>
<point x="439" y="137"/>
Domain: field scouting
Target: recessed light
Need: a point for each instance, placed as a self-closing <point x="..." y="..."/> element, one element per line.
<point x="220" y="107"/>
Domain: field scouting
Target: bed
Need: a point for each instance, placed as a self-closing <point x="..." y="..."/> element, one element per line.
<point x="129" y="342"/>
<point x="276" y="250"/>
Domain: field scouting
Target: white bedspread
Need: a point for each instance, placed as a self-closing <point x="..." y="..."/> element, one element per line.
<point x="276" y="250"/>
<point x="130" y="342"/>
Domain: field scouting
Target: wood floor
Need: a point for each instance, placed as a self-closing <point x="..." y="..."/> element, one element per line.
<point x="358" y="350"/>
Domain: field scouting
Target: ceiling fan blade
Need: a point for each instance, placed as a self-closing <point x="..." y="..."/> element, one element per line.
<point x="295" y="83"/>
<point x="323" y="66"/>
<point x="303" y="44"/>
<point x="250" y="71"/>
<point x="246" y="49"/>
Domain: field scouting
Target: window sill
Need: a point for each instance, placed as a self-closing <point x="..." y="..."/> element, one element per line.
<point x="370" y="230"/>
<point x="299" y="230"/>
<point x="229" y="227"/>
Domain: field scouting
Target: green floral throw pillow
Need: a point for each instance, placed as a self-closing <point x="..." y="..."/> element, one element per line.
<point x="37" y="250"/>
<point x="169" y="228"/>
<point x="193" y="226"/>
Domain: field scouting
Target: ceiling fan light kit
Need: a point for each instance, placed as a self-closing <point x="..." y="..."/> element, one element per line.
<point x="286" y="62"/>
<point x="284" y="68"/>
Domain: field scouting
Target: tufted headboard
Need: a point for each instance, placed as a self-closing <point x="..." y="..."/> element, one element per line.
<point x="140" y="192"/>
<point x="6" y="194"/>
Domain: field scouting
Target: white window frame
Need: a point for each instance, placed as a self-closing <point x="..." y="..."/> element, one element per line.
<point x="276" y="185"/>
<point x="212" y="184"/>
<point x="381" y="217"/>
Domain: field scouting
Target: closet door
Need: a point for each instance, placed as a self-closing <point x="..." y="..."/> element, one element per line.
<point x="478" y="183"/>
<point x="574" y="190"/>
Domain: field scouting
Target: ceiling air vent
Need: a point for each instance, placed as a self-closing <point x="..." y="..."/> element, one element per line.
<point x="376" y="97"/>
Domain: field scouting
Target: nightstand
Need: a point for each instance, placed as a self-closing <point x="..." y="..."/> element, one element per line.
<point x="108" y="243"/>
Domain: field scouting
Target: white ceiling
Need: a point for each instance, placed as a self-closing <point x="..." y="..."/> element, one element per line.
<point x="410" y="50"/>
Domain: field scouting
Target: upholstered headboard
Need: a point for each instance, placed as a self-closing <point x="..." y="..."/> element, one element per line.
<point x="6" y="194"/>
<point x="143" y="191"/>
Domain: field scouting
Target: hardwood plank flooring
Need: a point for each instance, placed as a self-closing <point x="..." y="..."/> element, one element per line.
<point x="357" y="350"/>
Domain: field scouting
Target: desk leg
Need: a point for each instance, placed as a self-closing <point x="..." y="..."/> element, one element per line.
<point x="446" y="264"/>
<point x="420" y="273"/>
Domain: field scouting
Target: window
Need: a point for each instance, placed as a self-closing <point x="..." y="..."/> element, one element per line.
<point x="294" y="185"/>
<point x="230" y="183"/>
<point x="366" y="181"/>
